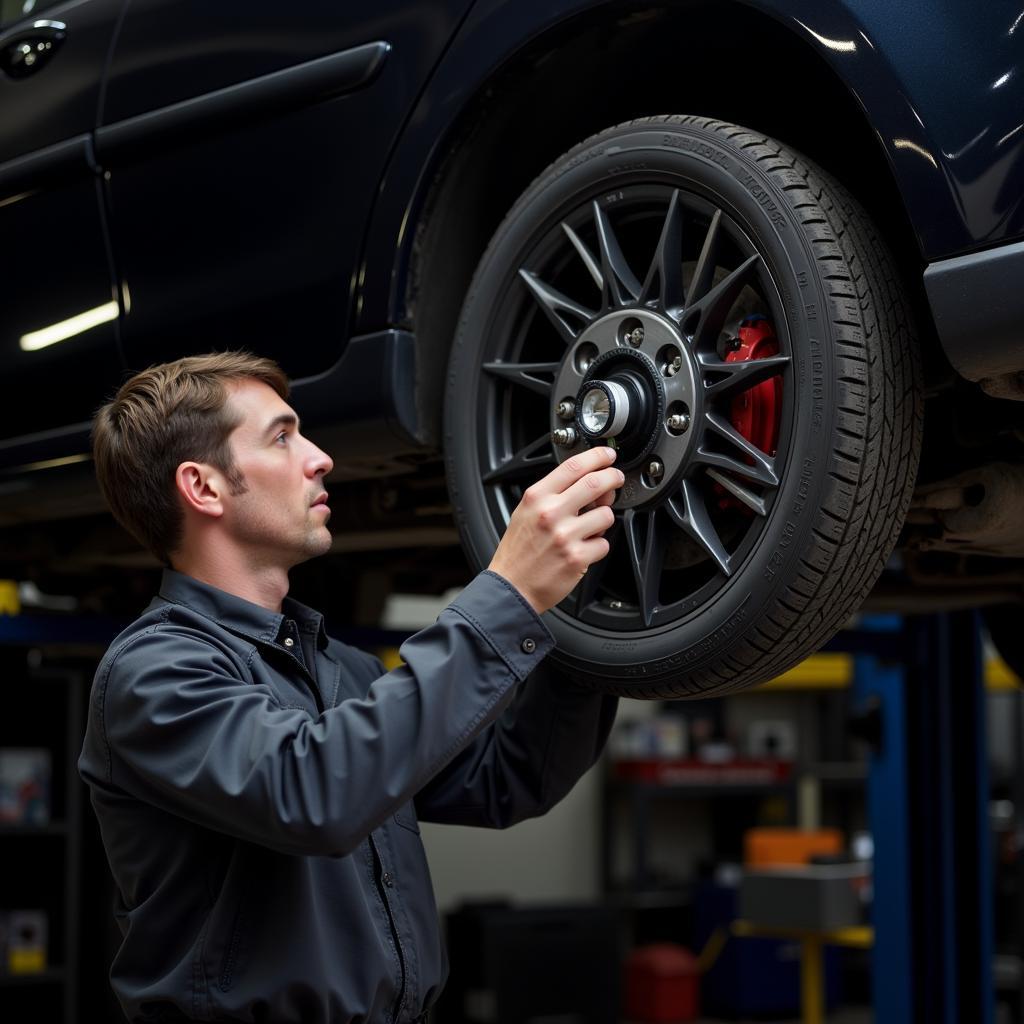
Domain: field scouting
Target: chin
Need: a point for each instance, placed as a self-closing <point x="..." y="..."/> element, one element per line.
<point x="320" y="544"/>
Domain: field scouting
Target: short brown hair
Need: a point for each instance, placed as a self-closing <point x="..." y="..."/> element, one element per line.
<point x="164" y="416"/>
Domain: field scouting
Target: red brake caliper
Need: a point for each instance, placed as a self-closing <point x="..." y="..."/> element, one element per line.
<point x="755" y="412"/>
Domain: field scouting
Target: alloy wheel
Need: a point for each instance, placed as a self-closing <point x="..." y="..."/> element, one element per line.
<point x="586" y="351"/>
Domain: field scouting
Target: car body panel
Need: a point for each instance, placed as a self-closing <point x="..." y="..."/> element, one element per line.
<point x="975" y="299"/>
<point x="248" y="226"/>
<point x="953" y="139"/>
<point x="954" y="142"/>
<point x="60" y="99"/>
<point x="54" y="263"/>
<point x="262" y="169"/>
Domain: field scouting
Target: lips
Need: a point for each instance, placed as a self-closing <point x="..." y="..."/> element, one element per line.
<point x="321" y="500"/>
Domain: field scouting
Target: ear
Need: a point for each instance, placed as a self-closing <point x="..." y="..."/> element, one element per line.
<point x="201" y="487"/>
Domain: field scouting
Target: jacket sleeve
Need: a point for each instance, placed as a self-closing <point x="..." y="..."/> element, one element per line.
<point x="182" y="728"/>
<point x="527" y="760"/>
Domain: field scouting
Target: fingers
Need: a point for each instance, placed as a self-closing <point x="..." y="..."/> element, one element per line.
<point x="608" y="498"/>
<point x="594" y="550"/>
<point x="549" y="543"/>
<point x="565" y="475"/>
<point x="593" y="486"/>
<point x="593" y="523"/>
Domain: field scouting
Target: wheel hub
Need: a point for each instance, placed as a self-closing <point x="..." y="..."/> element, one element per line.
<point x="621" y="403"/>
<point x="630" y="382"/>
<point x="605" y="409"/>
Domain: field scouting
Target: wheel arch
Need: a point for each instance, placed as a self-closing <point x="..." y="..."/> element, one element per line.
<point x="609" y="65"/>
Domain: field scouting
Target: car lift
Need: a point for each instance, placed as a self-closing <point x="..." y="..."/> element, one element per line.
<point x="918" y="694"/>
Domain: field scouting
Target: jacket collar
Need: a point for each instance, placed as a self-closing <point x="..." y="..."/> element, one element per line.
<point x="237" y="614"/>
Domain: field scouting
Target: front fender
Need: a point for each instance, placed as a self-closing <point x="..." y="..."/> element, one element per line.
<point x="940" y="86"/>
<point x="937" y="84"/>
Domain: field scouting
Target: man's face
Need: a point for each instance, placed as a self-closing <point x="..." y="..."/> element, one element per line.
<point x="282" y="515"/>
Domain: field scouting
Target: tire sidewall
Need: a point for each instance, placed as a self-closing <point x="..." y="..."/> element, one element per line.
<point x="703" y="162"/>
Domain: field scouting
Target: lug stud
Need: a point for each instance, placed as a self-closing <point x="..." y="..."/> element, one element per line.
<point x="564" y="436"/>
<point x="678" y="422"/>
<point x="655" y="469"/>
<point x="635" y="337"/>
<point x="567" y="409"/>
<point x="615" y="605"/>
<point x="674" y="367"/>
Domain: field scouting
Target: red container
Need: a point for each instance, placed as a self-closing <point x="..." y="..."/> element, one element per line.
<point x="661" y="984"/>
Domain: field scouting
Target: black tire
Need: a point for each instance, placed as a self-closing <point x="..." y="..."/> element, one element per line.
<point x="849" y="416"/>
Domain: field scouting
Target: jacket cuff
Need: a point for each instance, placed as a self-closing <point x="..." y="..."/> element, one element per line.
<point x="506" y="620"/>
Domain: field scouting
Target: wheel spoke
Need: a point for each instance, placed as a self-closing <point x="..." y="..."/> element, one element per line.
<point x="619" y="285"/>
<point x="645" y="541"/>
<point x="704" y="272"/>
<point x="587" y="588"/>
<point x="585" y="255"/>
<point x="556" y="305"/>
<point x="761" y="467"/>
<point x="735" y="488"/>
<point x="688" y="511"/>
<point x="667" y="265"/>
<point x="740" y="375"/>
<point x="713" y="308"/>
<point x="529" y="458"/>
<point x="525" y="374"/>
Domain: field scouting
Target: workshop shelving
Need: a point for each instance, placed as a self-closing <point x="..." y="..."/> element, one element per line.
<point x="42" y="862"/>
<point x="628" y="804"/>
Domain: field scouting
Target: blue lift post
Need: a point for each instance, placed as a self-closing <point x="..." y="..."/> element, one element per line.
<point x="919" y="699"/>
<point x="880" y="705"/>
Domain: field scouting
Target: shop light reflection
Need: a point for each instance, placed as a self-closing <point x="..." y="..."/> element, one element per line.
<point x="46" y="336"/>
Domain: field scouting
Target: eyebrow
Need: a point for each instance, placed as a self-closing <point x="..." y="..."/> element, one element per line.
<point x="285" y="419"/>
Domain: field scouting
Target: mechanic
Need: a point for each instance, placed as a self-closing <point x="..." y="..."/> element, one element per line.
<point x="257" y="782"/>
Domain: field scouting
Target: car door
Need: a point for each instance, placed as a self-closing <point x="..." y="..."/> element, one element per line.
<point x="244" y="142"/>
<point x="58" y="319"/>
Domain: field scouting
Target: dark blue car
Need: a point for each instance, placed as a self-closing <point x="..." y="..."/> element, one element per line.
<point x="772" y="251"/>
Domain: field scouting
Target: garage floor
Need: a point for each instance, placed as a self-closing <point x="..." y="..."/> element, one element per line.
<point x="847" y="1016"/>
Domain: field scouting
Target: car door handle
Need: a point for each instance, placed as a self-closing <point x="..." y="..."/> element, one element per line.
<point x="29" y="50"/>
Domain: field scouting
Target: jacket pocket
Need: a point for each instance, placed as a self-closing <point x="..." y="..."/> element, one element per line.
<point x="406" y="817"/>
<point x="229" y="962"/>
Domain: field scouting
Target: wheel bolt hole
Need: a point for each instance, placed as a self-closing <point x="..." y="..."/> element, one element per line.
<point x="670" y="360"/>
<point x="677" y="418"/>
<point x="653" y="472"/>
<point x="631" y="332"/>
<point x="584" y="356"/>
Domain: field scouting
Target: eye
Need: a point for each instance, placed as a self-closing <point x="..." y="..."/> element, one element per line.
<point x="281" y="437"/>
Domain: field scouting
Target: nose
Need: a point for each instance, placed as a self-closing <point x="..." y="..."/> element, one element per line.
<point x="318" y="463"/>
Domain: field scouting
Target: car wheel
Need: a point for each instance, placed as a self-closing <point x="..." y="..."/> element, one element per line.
<point x="721" y="311"/>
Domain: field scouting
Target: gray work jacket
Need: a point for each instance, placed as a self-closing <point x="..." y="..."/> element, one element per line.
<point x="258" y="798"/>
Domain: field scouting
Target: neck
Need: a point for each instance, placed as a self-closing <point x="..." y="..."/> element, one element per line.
<point x="240" y="573"/>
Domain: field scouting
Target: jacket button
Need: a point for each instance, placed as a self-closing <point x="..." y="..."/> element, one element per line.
<point x="289" y="642"/>
<point x="528" y="645"/>
<point x="387" y="880"/>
